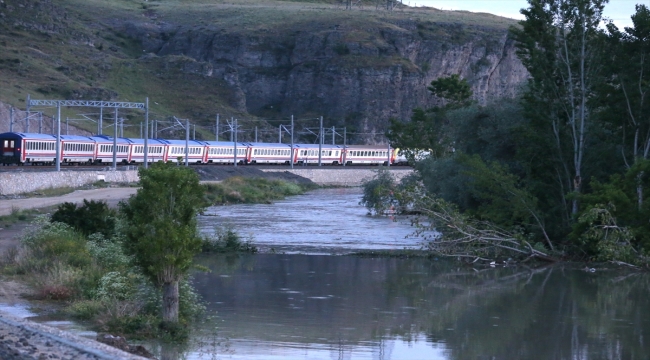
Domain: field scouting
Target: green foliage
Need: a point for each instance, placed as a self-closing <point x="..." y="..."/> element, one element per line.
<point x="453" y="89"/>
<point x="85" y="309"/>
<point x="116" y="286"/>
<point x="241" y="190"/>
<point x="379" y="193"/>
<point x="428" y="130"/>
<point x="161" y="221"/>
<point x="602" y="238"/>
<point x="55" y="242"/>
<point x="226" y="240"/>
<point x="92" y="217"/>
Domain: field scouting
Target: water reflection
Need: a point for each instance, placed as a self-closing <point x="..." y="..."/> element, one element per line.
<point x="323" y="221"/>
<point x="339" y="307"/>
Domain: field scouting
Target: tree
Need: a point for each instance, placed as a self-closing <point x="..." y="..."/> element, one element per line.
<point x="161" y="227"/>
<point x="426" y="130"/>
<point x="627" y="92"/>
<point x="558" y="43"/>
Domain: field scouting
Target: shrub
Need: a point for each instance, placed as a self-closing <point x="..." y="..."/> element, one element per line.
<point x="114" y="285"/>
<point x="57" y="283"/>
<point x="225" y="240"/>
<point x="55" y="242"/>
<point x="85" y="309"/>
<point x="92" y="217"/>
<point x="378" y="193"/>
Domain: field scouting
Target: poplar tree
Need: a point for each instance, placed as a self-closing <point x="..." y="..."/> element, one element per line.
<point x="162" y="227"/>
<point x="558" y="42"/>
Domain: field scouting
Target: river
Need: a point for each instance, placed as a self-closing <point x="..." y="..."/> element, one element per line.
<point x="303" y="298"/>
<point x="298" y="303"/>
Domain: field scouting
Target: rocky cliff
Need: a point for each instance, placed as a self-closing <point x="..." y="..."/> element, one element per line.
<point x="351" y="76"/>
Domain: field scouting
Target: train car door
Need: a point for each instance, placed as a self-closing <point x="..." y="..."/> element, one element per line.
<point x="8" y="147"/>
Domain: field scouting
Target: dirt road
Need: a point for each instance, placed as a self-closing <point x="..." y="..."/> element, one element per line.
<point x="111" y="195"/>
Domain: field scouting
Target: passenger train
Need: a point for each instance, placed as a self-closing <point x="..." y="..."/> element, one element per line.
<point x="40" y="149"/>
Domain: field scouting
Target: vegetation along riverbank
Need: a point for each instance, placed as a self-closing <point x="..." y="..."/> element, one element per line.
<point x="560" y="173"/>
<point x="102" y="264"/>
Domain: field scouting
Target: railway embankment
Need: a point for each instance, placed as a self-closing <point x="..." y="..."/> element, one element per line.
<point x="22" y="182"/>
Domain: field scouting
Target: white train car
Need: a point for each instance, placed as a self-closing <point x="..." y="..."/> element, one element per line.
<point x="78" y="149"/>
<point x="368" y="155"/>
<point x="175" y="151"/>
<point x="155" y="153"/>
<point x="104" y="153"/>
<point x="269" y="153"/>
<point x="223" y="152"/>
<point x="307" y="154"/>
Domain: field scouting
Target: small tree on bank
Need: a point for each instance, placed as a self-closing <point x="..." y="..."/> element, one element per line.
<point x="161" y="228"/>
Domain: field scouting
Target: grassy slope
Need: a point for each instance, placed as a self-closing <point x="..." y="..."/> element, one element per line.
<point x="68" y="49"/>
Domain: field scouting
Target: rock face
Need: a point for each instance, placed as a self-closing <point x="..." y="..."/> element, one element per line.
<point x="351" y="79"/>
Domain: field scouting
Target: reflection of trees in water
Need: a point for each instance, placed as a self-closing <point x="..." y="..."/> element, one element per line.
<point x="550" y="313"/>
<point x="502" y="313"/>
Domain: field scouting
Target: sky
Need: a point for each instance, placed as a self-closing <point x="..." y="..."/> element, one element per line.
<point x="617" y="10"/>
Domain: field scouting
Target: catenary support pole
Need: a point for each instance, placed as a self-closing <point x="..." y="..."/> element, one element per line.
<point x="345" y="145"/>
<point x="256" y="134"/>
<point x="27" y="115"/>
<point x="11" y="119"/>
<point x="40" y="122"/>
<point x="115" y="141"/>
<point x="235" y="142"/>
<point x="187" y="142"/>
<point x="146" y="133"/>
<point x="216" y="129"/>
<point x="194" y="133"/>
<point x="232" y="130"/>
<point x="57" y="161"/>
<point x="333" y="135"/>
<point x="140" y="129"/>
<point x="67" y="129"/>
<point x="280" y="134"/>
<point x="100" y="126"/>
<point x="320" y="143"/>
<point x="291" y="160"/>
<point x="388" y="161"/>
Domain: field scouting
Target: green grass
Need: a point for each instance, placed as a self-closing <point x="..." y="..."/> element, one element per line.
<point x="17" y="216"/>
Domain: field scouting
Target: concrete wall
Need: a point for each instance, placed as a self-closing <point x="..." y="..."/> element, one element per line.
<point x="12" y="183"/>
<point x="341" y="177"/>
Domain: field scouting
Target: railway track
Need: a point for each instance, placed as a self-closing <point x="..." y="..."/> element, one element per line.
<point x="24" y="340"/>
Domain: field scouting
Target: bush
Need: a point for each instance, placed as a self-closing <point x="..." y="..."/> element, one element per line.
<point x="378" y="193"/>
<point x="226" y="240"/>
<point x="85" y="309"/>
<point x="54" y="242"/>
<point x="92" y="217"/>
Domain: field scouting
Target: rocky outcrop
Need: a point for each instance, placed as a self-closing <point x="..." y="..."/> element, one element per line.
<point x="352" y="77"/>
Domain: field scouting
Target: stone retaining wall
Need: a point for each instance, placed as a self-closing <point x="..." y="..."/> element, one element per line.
<point x="12" y="183"/>
<point x="341" y="177"/>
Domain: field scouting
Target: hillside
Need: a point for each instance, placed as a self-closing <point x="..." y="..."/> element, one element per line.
<point x="258" y="61"/>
